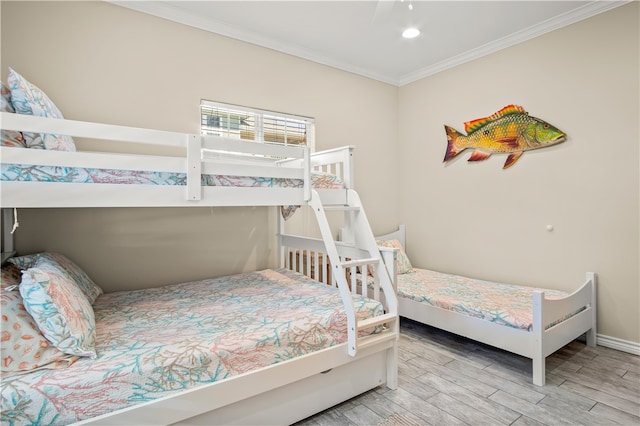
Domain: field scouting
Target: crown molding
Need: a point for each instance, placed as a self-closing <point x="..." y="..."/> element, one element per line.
<point x="166" y="11"/>
<point x="560" y="21"/>
<point x="171" y="13"/>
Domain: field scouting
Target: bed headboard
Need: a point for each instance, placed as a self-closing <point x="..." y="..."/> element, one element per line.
<point x="388" y="254"/>
<point x="398" y="234"/>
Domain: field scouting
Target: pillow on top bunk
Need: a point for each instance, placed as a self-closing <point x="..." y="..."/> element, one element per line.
<point x="73" y="271"/>
<point x="28" y="99"/>
<point x="11" y="138"/>
<point x="61" y="311"/>
<point x="403" y="265"/>
<point x="23" y="347"/>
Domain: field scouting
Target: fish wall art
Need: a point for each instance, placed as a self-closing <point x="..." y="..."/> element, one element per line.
<point x="509" y="131"/>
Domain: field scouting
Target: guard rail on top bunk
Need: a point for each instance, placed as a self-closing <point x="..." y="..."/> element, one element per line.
<point x="191" y="154"/>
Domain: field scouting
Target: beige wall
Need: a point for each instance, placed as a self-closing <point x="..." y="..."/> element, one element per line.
<point x="477" y="219"/>
<point x="101" y="62"/>
<point x="105" y="63"/>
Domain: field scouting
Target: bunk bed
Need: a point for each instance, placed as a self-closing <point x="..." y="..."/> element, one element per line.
<point x="531" y="322"/>
<point x="361" y="352"/>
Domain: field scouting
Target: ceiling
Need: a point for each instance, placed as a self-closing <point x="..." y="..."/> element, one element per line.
<point x="364" y="37"/>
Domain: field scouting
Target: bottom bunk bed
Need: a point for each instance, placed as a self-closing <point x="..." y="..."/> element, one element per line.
<point x="264" y="347"/>
<point x="531" y="322"/>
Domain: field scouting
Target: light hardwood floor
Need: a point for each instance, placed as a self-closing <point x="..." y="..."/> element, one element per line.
<point x="449" y="380"/>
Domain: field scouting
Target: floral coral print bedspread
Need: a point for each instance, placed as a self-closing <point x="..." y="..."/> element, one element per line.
<point x="153" y="342"/>
<point x="36" y="173"/>
<point x="503" y="304"/>
<point x="32" y="173"/>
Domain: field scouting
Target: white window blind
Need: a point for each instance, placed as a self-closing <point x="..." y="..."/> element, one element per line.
<point x="257" y="125"/>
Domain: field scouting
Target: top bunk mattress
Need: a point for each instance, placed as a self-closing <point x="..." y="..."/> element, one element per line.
<point x="42" y="173"/>
<point x="503" y="304"/>
<point x="155" y="342"/>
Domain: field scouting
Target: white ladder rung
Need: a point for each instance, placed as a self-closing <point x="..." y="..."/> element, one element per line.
<point x="342" y="208"/>
<point x="377" y="320"/>
<point x="360" y="262"/>
<point x="372" y="339"/>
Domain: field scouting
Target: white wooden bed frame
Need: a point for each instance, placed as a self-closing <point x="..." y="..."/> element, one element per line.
<point x="536" y="344"/>
<point x="278" y="394"/>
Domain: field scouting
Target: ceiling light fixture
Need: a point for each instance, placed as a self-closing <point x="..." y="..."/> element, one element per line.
<point x="410" y="4"/>
<point x="411" y="33"/>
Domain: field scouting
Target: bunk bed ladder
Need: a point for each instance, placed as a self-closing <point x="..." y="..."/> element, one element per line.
<point x="358" y="225"/>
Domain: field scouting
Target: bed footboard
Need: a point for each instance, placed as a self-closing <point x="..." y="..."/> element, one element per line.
<point x="309" y="257"/>
<point x="556" y="322"/>
<point x="337" y="161"/>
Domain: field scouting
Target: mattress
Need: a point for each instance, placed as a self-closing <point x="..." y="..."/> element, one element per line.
<point x="39" y="173"/>
<point x="34" y="173"/>
<point x="155" y="342"/>
<point x="503" y="304"/>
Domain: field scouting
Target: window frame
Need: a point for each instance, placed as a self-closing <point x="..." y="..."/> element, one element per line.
<point x="259" y="124"/>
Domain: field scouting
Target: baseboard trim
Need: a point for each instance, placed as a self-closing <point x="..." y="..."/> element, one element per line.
<point x="618" y="344"/>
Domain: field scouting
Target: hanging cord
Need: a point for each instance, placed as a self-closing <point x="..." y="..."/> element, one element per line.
<point x="15" y="220"/>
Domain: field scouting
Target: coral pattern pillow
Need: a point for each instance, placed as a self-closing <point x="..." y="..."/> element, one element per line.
<point x="403" y="265"/>
<point x="28" y="99"/>
<point x="73" y="271"/>
<point x="23" y="346"/>
<point x="9" y="137"/>
<point x="61" y="311"/>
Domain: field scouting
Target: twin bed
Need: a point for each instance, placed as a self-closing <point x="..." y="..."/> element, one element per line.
<point x="262" y="347"/>
<point x="531" y="322"/>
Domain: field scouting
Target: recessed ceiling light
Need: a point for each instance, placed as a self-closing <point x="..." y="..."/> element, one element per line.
<point x="411" y="33"/>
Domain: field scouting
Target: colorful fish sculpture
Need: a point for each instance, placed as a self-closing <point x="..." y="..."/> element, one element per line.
<point x="509" y="131"/>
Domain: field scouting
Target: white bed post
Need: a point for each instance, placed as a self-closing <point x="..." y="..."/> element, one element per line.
<point x="279" y="231"/>
<point x="592" y="339"/>
<point x="538" y="358"/>
<point x="389" y="256"/>
<point x="7" y="236"/>
<point x="347" y="178"/>
<point x="307" y="174"/>
<point x="194" y="167"/>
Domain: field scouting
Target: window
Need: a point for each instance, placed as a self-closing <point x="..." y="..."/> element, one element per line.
<point x="255" y="124"/>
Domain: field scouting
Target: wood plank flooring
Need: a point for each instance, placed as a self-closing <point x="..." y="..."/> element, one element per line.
<point x="449" y="380"/>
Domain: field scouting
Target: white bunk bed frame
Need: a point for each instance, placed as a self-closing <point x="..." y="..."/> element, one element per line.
<point x="278" y="394"/>
<point x="199" y="155"/>
<point x="536" y="344"/>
